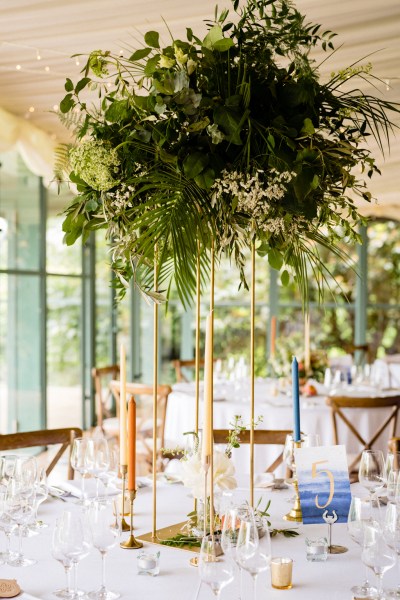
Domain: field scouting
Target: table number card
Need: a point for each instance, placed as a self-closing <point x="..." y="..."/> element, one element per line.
<point x="324" y="485"/>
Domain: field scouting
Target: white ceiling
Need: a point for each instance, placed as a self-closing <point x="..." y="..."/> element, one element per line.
<point x="56" y="29"/>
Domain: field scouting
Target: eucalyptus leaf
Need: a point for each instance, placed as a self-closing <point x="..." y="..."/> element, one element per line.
<point x="140" y="54"/>
<point x="194" y="164"/>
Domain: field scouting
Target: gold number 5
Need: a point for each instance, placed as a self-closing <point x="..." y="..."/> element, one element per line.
<point x="315" y="473"/>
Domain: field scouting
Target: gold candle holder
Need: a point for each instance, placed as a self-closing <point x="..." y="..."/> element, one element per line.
<point x="132" y="542"/>
<point x="295" y="513"/>
<point x="124" y="524"/>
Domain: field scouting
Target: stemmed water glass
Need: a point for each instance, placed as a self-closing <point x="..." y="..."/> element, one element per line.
<point x="376" y="554"/>
<point x="392" y="536"/>
<point x="356" y="521"/>
<point x="104" y="537"/>
<point x="253" y="553"/>
<point x="97" y="459"/>
<point x="229" y="538"/>
<point x="74" y="540"/>
<point x="371" y="473"/>
<point x="19" y="508"/>
<point x="78" y="463"/>
<point x="215" y="569"/>
<point x="41" y="494"/>
<point x="57" y="551"/>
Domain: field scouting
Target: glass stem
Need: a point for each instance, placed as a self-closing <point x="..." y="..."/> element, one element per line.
<point x="97" y="487"/>
<point x="380" y="581"/>
<point x="366" y="582"/>
<point x="255" y="587"/>
<point x="8" y="545"/>
<point x="83" y="486"/>
<point x="103" y="571"/>
<point x="20" y="531"/>
<point x="67" y="569"/>
<point x="75" y="579"/>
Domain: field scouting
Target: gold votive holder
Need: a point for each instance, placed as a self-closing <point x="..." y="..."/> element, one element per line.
<point x="281" y="573"/>
<point x="131" y="543"/>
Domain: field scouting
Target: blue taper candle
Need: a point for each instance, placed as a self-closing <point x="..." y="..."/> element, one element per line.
<point x="296" y="400"/>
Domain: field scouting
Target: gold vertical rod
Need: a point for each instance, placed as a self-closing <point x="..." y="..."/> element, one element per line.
<point x="211" y="384"/>
<point x="155" y="395"/>
<point x="197" y="349"/>
<point x="252" y="348"/>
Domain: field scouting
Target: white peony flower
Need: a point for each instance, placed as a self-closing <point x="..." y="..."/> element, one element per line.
<point x="192" y="473"/>
<point x="191" y="66"/>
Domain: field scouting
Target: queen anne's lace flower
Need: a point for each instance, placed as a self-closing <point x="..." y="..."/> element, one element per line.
<point x="97" y="163"/>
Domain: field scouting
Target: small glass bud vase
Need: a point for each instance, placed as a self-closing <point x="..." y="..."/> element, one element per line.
<point x="317" y="549"/>
<point x="148" y="563"/>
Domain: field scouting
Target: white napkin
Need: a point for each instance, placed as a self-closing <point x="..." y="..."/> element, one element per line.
<point x="74" y="488"/>
<point x="264" y="480"/>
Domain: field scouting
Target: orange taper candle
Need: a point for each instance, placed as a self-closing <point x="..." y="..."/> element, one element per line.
<point x="131" y="445"/>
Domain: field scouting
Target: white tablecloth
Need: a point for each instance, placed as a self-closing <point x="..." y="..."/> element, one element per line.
<point x="312" y="581"/>
<point x="277" y="413"/>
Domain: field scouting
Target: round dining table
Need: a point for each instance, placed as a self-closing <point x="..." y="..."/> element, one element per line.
<point x="178" y="579"/>
<point x="273" y="410"/>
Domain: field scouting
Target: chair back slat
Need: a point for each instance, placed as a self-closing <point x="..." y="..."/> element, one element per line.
<point x="338" y="403"/>
<point x="101" y="378"/>
<point x="261" y="437"/>
<point x="43" y="437"/>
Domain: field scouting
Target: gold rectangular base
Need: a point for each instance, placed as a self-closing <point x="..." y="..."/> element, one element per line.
<point x="165" y="533"/>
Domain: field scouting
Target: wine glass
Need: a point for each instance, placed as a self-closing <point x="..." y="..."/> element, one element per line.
<point x="104" y="537"/>
<point x="357" y="518"/>
<point x="7" y="526"/>
<point x="376" y="554"/>
<point x="97" y="459"/>
<point x="215" y="569"/>
<point x="19" y="508"/>
<point x="111" y="474"/>
<point x="41" y="494"/>
<point x="78" y="463"/>
<point x="74" y="543"/>
<point x="253" y="553"/>
<point x="371" y="473"/>
<point x="229" y="538"/>
<point x="57" y="551"/>
<point x="392" y="537"/>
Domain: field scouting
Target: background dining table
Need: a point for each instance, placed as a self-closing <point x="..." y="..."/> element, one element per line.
<point x="275" y="408"/>
<point x="330" y="580"/>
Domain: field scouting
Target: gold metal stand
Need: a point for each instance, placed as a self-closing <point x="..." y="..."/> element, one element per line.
<point x="132" y="542"/>
<point x="155" y="396"/>
<point x="124" y="524"/>
<point x="295" y="513"/>
<point x="211" y="383"/>
<point x="252" y="346"/>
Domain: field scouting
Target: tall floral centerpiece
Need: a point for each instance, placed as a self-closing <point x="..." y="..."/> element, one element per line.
<point x="225" y="140"/>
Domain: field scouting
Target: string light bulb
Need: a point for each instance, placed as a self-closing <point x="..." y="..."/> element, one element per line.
<point x="47" y="69"/>
<point x="77" y="63"/>
<point x="18" y="67"/>
<point x="38" y="56"/>
<point x="387" y="81"/>
<point x="55" y="107"/>
<point x="31" y="109"/>
<point x="121" y="52"/>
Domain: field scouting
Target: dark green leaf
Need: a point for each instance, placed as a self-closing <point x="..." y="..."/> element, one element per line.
<point x="67" y="103"/>
<point x="285" y="278"/>
<point x="152" y="38"/>
<point x="194" y="164"/>
<point x="117" y="111"/>
<point x="206" y="179"/>
<point x="275" y="259"/>
<point x="69" y="86"/>
<point x="82" y="84"/>
<point x="151" y="65"/>
<point x="229" y="121"/>
<point x="139" y="54"/>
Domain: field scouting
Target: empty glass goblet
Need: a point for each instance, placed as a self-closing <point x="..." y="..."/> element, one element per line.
<point x="19" y="508"/>
<point x="376" y="554"/>
<point x="253" y="553"/>
<point x="215" y="569"/>
<point x="391" y="533"/>
<point x="359" y="515"/>
<point x="104" y="537"/>
<point x="97" y="459"/>
<point x="78" y="463"/>
<point x="75" y="543"/>
<point x="371" y="473"/>
<point x="57" y="551"/>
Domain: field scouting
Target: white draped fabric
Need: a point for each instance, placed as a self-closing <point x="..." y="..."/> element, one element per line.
<point x="34" y="145"/>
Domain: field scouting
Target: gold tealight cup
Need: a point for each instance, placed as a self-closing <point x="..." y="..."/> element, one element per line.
<point x="281" y="573"/>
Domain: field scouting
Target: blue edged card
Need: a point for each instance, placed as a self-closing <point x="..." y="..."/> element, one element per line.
<point x="324" y="484"/>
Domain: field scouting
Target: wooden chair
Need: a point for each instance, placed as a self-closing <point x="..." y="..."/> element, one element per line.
<point x="184" y="364"/>
<point x="394" y="445"/>
<point x="44" y="437"/>
<point x="338" y="403"/>
<point x="101" y="379"/>
<point x="267" y="437"/>
<point x="144" y="423"/>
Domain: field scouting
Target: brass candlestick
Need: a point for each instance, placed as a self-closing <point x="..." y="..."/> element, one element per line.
<point x="132" y="542"/>
<point x="295" y="513"/>
<point x="124" y="524"/>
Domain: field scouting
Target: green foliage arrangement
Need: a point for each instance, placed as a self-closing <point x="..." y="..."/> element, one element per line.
<point x="230" y="140"/>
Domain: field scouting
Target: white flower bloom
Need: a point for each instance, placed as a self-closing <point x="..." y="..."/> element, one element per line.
<point x="215" y="134"/>
<point x="166" y="62"/>
<point x="180" y="56"/>
<point x="193" y="473"/>
<point x="191" y="66"/>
